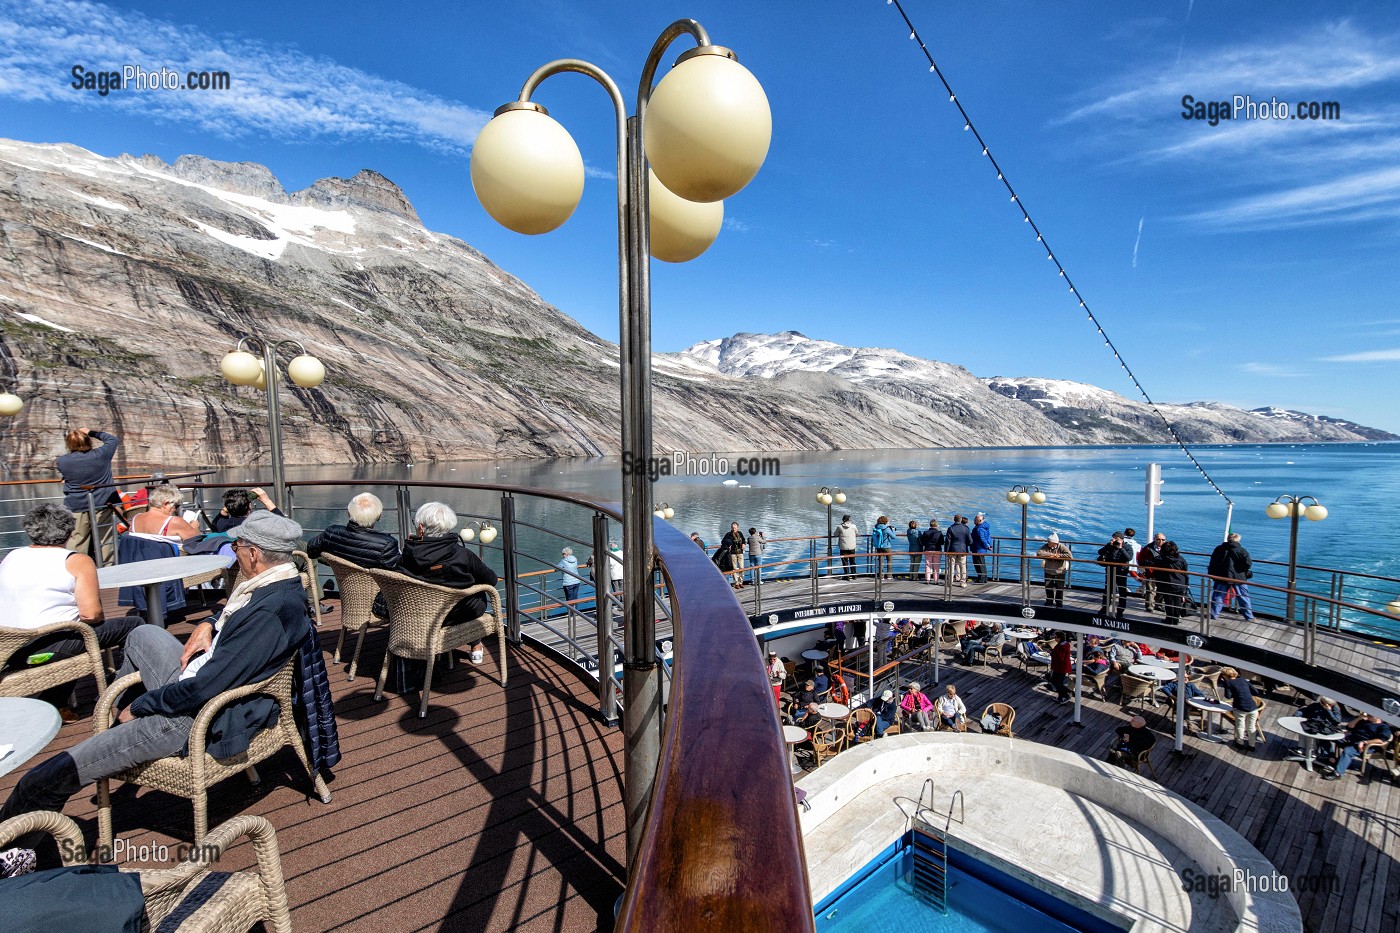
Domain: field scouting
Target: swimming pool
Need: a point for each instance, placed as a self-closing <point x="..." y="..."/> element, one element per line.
<point x="981" y="899"/>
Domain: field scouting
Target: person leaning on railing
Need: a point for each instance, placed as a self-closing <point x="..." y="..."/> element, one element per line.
<point x="88" y="470"/>
<point x="45" y="583"/>
<point x="1054" y="559"/>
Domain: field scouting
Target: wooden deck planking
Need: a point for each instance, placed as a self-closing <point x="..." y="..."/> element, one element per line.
<point x="500" y="811"/>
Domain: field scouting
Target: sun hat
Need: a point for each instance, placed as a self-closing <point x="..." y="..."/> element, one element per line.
<point x="270" y="532"/>
<point x="887" y="695"/>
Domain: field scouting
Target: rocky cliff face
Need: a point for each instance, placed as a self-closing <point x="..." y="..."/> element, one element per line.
<point x="123" y="282"/>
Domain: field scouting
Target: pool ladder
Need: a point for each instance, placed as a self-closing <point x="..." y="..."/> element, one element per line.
<point x="928" y="874"/>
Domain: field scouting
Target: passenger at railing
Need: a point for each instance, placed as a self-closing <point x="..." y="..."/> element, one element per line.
<point x="1147" y="558"/>
<point x="356" y="540"/>
<point x="1230" y="566"/>
<point x="847" y="540"/>
<point x="1240" y="693"/>
<point x="434" y="554"/>
<point x="882" y="546"/>
<point x="1054" y="559"/>
<point x="695" y="536"/>
<point x="1169" y="577"/>
<point x="160" y="519"/>
<point x="1061" y="666"/>
<point x="238" y="505"/>
<point x="931" y="543"/>
<point x="1130" y="542"/>
<point x="87" y="466"/>
<point x="886" y="711"/>
<point x="957" y="541"/>
<point x="568" y="568"/>
<point x="730" y="556"/>
<point x="981" y="545"/>
<point x="1115" y="558"/>
<point x="916" y="706"/>
<point x="614" y="568"/>
<point x="1363" y="732"/>
<point x="756" y="543"/>
<point x="44" y="582"/>
<point x="952" y="712"/>
<point x="916" y="550"/>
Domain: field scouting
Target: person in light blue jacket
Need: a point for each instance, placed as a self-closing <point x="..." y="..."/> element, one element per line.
<point x="569" y="568"/>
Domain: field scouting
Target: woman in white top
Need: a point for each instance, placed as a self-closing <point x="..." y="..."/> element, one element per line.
<point x="46" y="583"/>
<point x="952" y="713"/>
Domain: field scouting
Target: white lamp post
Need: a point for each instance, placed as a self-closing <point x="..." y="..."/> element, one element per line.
<point x="1293" y="508"/>
<point x="826" y="497"/>
<point x="665" y="511"/>
<point x="244" y="369"/>
<point x="10" y="404"/>
<point x="1024" y="496"/>
<point x="706" y="128"/>
<point x="482" y="531"/>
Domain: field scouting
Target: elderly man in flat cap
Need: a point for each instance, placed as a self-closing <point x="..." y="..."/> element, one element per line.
<point x="262" y="624"/>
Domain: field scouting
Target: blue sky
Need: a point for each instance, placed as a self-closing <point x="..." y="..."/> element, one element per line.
<point x="1252" y="262"/>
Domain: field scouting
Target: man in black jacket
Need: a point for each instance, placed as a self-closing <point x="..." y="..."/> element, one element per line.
<point x="87" y="469"/>
<point x="357" y="541"/>
<point x="263" y="623"/>
<point x="1147" y="558"/>
<point x="436" y="555"/>
<point x="1117" y="560"/>
<point x="1230" y="566"/>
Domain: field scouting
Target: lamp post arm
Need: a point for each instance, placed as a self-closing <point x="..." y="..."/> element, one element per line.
<point x="670" y="34"/>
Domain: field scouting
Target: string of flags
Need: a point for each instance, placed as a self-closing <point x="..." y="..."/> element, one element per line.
<point x="1050" y="253"/>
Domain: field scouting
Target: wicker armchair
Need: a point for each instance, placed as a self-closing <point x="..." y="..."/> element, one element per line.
<point x="417" y="611"/>
<point x="1007" y="714"/>
<point x="860" y="726"/>
<point x="31" y="680"/>
<point x="192" y="898"/>
<point x="192" y="775"/>
<point x="357" y="592"/>
<point x="828" y="738"/>
<point x="1137" y="688"/>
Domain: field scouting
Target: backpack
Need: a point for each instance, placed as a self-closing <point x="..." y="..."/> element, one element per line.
<point x="882" y="536"/>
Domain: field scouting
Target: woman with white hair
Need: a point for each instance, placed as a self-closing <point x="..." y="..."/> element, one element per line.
<point x="160" y="520"/>
<point x="357" y="541"/>
<point x="435" y="555"/>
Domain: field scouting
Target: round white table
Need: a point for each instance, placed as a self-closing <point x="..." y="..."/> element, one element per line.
<point x="1022" y="634"/>
<point x="793" y="735"/>
<point x="1151" y="660"/>
<point x="834" y="710"/>
<point x="1152" y="672"/>
<point x="1212" y="710"/>
<point x="26" y="726"/>
<point x="1294" y="724"/>
<point x="152" y="573"/>
<point x="814" y="654"/>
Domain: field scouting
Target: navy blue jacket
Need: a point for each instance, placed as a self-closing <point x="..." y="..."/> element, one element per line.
<point x="81" y="468"/>
<point x="931" y="540"/>
<point x="254" y="644"/>
<point x="958" y="539"/>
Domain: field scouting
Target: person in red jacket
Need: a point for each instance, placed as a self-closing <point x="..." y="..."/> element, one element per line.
<point x="1061" y="664"/>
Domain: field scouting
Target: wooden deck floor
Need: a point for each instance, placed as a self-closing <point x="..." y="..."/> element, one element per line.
<point x="1309" y="828"/>
<point x="499" y="811"/>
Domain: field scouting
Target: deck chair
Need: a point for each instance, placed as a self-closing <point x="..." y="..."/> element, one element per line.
<point x="357" y="593"/>
<point x="192" y="897"/>
<point x="417" y="611"/>
<point x="1386" y="756"/>
<point x="995" y="651"/>
<point x="1007" y="714"/>
<point x="860" y="726"/>
<point x="828" y="739"/>
<point x="1030" y="662"/>
<point x="1135" y="688"/>
<point x="192" y="775"/>
<point x="1096" y="683"/>
<point x="28" y="681"/>
<point x="1144" y="757"/>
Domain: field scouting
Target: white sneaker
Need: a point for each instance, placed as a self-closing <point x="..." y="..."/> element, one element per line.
<point x="478" y="655"/>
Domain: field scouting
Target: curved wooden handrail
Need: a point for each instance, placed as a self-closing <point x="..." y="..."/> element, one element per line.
<point x="721" y="849"/>
<point x="125" y="478"/>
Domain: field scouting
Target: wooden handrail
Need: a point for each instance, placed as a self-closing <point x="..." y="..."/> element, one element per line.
<point x="721" y="849"/>
<point x="125" y="478"/>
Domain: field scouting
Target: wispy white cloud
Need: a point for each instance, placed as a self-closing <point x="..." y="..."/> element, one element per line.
<point x="1138" y="241"/>
<point x="275" y="90"/>
<point x="1368" y="356"/>
<point x="736" y="225"/>
<point x="1268" y="369"/>
<point x="1362" y="195"/>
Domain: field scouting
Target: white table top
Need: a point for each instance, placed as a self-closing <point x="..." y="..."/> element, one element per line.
<point x="1151" y="660"/>
<point x="794" y="734"/>
<point x="1151" y="672"/>
<point x="1022" y="634"/>
<point x="1295" y="724"/>
<point x="142" y="572"/>
<point x="834" y="710"/>
<point x="812" y="654"/>
<point x="1213" y="706"/>
<point x="28" y="725"/>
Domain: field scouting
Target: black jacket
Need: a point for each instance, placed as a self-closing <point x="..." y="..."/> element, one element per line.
<point x="357" y="544"/>
<point x="1230" y="562"/>
<point x="931" y="539"/>
<point x="446" y="561"/>
<point x="254" y="644"/>
<point x="1111" y="554"/>
<point x="1147" y="557"/>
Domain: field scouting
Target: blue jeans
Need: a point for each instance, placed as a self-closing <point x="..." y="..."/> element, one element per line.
<point x="1348" y="755"/>
<point x="1217" y="598"/>
<point x="570" y="592"/>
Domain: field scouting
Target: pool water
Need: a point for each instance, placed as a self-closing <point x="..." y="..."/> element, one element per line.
<point x="981" y="899"/>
